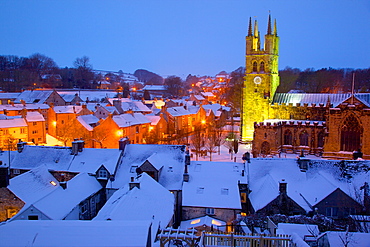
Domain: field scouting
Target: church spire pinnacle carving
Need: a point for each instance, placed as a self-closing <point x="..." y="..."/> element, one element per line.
<point x="269" y="26"/>
<point x="255" y="29"/>
<point x="250" y="27"/>
<point x="275" y="28"/>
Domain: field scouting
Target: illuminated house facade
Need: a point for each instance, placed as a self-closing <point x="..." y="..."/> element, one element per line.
<point x="329" y="125"/>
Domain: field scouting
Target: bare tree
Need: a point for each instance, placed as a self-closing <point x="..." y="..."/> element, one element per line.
<point x="196" y="141"/>
<point x="210" y="144"/>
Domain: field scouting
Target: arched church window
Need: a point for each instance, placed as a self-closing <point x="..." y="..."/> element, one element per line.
<point x="320" y="139"/>
<point x="254" y="66"/>
<point x="262" y="66"/>
<point x="350" y="134"/>
<point x="288" y="137"/>
<point x="303" y="138"/>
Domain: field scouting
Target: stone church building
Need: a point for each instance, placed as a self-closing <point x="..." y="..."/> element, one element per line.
<point x="329" y="125"/>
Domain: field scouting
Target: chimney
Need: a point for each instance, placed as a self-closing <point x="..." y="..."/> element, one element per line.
<point x="74" y="147"/>
<point x="187" y="163"/>
<point x="134" y="184"/>
<point x="81" y="145"/>
<point x="283" y="187"/>
<point x="20" y="146"/>
<point x="122" y="143"/>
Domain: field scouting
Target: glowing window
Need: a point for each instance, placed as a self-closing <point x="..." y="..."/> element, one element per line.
<point x="216" y="222"/>
<point x="195" y="221"/>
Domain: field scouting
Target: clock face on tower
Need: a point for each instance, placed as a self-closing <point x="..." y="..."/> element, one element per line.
<point x="257" y="80"/>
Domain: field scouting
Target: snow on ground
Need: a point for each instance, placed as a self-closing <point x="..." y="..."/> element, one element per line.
<point x="243" y="148"/>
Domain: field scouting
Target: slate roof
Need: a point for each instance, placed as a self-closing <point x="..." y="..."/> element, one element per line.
<point x="13" y="122"/>
<point x="213" y="185"/>
<point x="126" y="204"/>
<point x="18" y="107"/>
<point x="178" y="111"/>
<point x="126" y="120"/>
<point x="172" y="159"/>
<point x="87" y="120"/>
<point x="60" y="202"/>
<point x="305" y="188"/>
<point x="60" y="159"/>
<point x="33" y="185"/>
<point x="36" y="96"/>
<point x="317" y="98"/>
<point x="34" y="117"/>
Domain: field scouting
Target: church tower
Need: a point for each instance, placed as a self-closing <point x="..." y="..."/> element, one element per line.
<point x="261" y="77"/>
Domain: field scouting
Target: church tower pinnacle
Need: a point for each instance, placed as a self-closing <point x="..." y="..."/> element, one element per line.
<point x="261" y="77"/>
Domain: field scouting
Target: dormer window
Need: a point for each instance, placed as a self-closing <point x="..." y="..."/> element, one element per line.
<point x="102" y="173"/>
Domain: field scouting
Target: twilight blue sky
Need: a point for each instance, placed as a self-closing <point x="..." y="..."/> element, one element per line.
<point x="181" y="37"/>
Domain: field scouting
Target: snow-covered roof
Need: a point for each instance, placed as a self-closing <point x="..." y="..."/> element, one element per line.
<point x="33" y="185"/>
<point x="126" y="204"/>
<point x="60" y="159"/>
<point x="55" y="158"/>
<point x="91" y="95"/>
<point x="178" y="111"/>
<point x="317" y="98"/>
<point x="207" y="94"/>
<point x="34" y="117"/>
<point x="198" y="97"/>
<point x="19" y="107"/>
<point x="300" y="229"/>
<point x="90" y="160"/>
<point x="126" y="120"/>
<point x="153" y="119"/>
<point x="154" y="88"/>
<point x="13" y="122"/>
<point x="172" y="159"/>
<point x="216" y="108"/>
<point x="68" y="109"/>
<point x="60" y="202"/>
<point x="33" y="96"/>
<point x="87" y="121"/>
<point x="9" y="95"/>
<point x="305" y="188"/>
<point x="68" y="97"/>
<point x="213" y="185"/>
<point x="355" y="239"/>
<point x="73" y="233"/>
